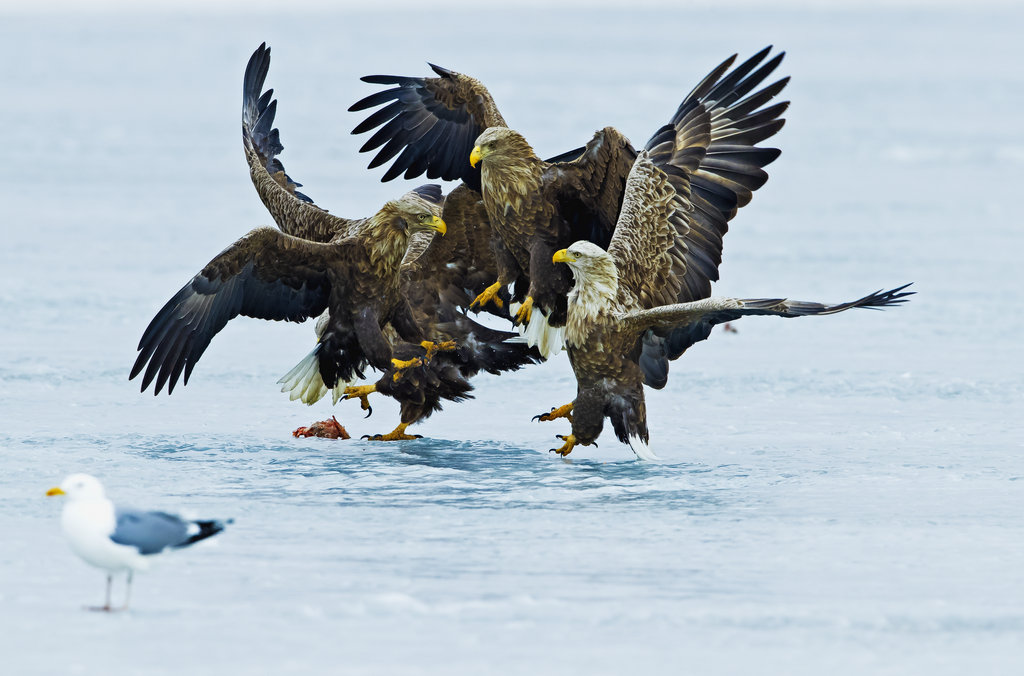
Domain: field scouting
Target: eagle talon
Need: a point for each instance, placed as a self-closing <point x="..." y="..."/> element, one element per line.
<point x="402" y="365"/>
<point x="397" y="434"/>
<point x="488" y="295"/>
<point x="360" y="392"/>
<point x="555" y="413"/>
<point x="433" y="348"/>
<point x="525" y="310"/>
<point x="566" y="448"/>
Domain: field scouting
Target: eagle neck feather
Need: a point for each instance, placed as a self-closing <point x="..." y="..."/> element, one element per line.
<point x="592" y="300"/>
<point x="385" y="243"/>
<point x="510" y="184"/>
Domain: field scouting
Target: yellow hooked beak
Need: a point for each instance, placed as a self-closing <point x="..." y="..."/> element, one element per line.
<point x="475" y="156"/>
<point x="437" y="224"/>
<point x="54" y="491"/>
<point x="563" y="256"/>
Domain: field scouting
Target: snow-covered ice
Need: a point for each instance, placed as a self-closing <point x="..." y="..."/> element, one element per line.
<point x="836" y="495"/>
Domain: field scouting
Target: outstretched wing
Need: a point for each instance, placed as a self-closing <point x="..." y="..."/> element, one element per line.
<point x="294" y="212"/>
<point x="266" y="274"/>
<point x="649" y="241"/>
<point x="431" y="123"/>
<point x="732" y="167"/>
<point x="692" y="322"/>
<point x="642" y="244"/>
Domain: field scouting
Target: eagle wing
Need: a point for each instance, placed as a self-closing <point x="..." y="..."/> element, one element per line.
<point x="430" y="123"/>
<point x="294" y="212"/>
<point x="266" y="274"/>
<point x="649" y="242"/>
<point x="732" y="167"/>
<point x="692" y="322"/>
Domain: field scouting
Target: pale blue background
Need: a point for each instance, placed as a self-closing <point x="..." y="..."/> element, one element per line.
<point x="838" y="495"/>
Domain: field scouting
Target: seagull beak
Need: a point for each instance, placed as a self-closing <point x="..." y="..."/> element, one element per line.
<point x="54" y="491"/>
<point x="562" y="256"/>
<point x="475" y="156"/>
<point x="438" y="225"/>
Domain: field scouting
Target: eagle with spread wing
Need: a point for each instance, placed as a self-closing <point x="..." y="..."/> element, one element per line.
<point x="433" y="280"/>
<point x="449" y="127"/>
<point x="623" y="323"/>
<point x="316" y="262"/>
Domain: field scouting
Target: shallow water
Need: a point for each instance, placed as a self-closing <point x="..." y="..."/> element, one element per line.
<point x="838" y="494"/>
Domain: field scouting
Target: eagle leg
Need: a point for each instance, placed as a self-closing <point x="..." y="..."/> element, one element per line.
<point x="433" y="348"/>
<point x="555" y="413"/>
<point x="360" y="392"/>
<point x="397" y="434"/>
<point x="566" y="448"/>
<point x="400" y="366"/>
<point x="488" y="295"/>
<point x="525" y="310"/>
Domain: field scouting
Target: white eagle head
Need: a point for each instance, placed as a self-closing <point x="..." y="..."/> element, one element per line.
<point x="593" y="268"/>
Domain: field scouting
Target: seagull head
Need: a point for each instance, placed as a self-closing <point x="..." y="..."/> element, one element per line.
<point x="79" y="487"/>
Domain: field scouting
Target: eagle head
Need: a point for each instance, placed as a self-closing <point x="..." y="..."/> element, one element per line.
<point x="418" y="210"/>
<point x="501" y="145"/>
<point x="593" y="268"/>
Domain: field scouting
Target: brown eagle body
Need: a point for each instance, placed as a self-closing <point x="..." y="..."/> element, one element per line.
<point x="429" y="278"/>
<point x="535" y="207"/>
<point x="616" y="321"/>
<point x="316" y="262"/>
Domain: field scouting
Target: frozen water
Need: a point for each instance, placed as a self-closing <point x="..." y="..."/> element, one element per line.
<point x="837" y="495"/>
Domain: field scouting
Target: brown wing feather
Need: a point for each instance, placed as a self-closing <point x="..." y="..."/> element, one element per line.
<point x="294" y="212"/>
<point x="642" y="244"/>
<point x="589" y="189"/>
<point x="692" y="322"/>
<point x="732" y="167"/>
<point x="459" y="265"/>
<point x="266" y="274"/>
<point x="430" y="123"/>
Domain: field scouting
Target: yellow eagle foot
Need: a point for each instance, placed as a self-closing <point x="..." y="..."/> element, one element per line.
<point x="397" y="434"/>
<point x="434" y="348"/>
<point x="525" y="310"/>
<point x="360" y="392"/>
<point x="402" y="365"/>
<point x="489" y="295"/>
<point x="566" y="448"/>
<point x="556" y="413"/>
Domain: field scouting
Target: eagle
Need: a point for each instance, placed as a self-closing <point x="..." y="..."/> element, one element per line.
<point x="314" y="263"/>
<point x="618" y="329"/>
<point x="449" y="127"/>
<point x="434" y="279"/>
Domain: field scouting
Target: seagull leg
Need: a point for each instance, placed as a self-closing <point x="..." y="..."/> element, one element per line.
<point x="555" y="413"/>
<point x="488" y="295"/>
<point x="398" y="434"/>
<point x="361" y="392"/>
<point x="127" y="591"/>
<point x="106" y="607"/>
<point x="433" y="348"/>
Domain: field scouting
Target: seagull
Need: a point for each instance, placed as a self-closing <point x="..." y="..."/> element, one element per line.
<point x="120" y="539"/>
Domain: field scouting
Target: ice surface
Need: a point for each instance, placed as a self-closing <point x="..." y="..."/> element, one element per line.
<point x="839" y="495"/>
